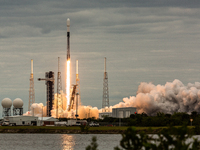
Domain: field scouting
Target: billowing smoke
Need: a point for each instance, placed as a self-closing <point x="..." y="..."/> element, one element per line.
<point x="169" y="98"/>
<point x="83" y="111"/>
<point x="150" y="99"/>
<point x="37" y="110"/>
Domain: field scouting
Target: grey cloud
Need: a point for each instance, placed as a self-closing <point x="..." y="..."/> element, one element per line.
<point x="142" y="40"/>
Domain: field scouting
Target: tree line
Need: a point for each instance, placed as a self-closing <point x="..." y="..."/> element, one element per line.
<point x="161" y="119"/>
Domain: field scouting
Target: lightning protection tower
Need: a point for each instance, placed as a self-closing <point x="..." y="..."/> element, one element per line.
<point x="59" y="105"/>
<point x="31" y="89"/>
<point x="105" y="101"/>
<point x="78" y="100"/>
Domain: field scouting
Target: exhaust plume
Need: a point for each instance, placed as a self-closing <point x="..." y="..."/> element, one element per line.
<point x="150" y="99"/>
<point x="169" y="98"/>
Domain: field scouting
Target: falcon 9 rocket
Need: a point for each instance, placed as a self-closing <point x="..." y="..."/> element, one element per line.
<point x="68" y="64"/>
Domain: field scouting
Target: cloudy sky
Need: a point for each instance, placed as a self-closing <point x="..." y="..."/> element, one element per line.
<point x="144" y="41"/>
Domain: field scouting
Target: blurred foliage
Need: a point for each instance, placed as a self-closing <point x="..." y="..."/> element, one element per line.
<point x="93" y="145"/>
<point x="160" y="119"/>
<point x="171" y="138"/>
<point x="84" y="128"/>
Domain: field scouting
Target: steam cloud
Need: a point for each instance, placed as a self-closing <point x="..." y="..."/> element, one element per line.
<point x="169" y="98"/>
<point x="83" y="111"/>
<point x="150" y="99"/>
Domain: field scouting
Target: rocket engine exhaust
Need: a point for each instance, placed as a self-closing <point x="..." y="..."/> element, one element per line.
<point x="68" y="64"/>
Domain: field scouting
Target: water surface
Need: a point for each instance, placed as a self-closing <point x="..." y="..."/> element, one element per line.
<point x="57" y="141"/>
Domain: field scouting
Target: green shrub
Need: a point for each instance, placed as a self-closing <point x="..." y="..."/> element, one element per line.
<point x="171" y="138"/>
<point x="84" y="128"/>
<point x="93" y="145"/>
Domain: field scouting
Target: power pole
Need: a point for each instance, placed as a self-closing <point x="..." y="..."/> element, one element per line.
<point x="31" y="88"/>
<point x="105" y="101"/>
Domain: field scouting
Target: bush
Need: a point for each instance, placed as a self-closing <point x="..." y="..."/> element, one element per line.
<point x="84" y="128"/>
<point x="171" y="138"/>
<point x="93" y="145"/>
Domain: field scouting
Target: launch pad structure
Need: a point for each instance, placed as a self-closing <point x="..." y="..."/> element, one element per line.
<point x="49" y="80"/>
<point x="31" y="89"/>
<point x="59" y="105"/>
<point x="105" y="100"/>
<point x="75" y="93"/>
<point x="72" y="94"/>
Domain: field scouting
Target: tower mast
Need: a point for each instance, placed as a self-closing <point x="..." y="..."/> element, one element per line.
<point x="78" y="84"/>
<point x="59" y="95"/>
<point x="105" y="101"/>
<point x="31" y="88"/>
<point x="78" y="95"/>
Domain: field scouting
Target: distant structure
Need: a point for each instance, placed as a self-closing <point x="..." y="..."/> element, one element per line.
<point x="49" y="78"/>
<point x="17" y="107"/>
<point x="6" y="104"/>
<point x="122" y="112"/>
<point x="105" y="101"/>
<point x="59" y="106"/>
<point x="31" y="89"/>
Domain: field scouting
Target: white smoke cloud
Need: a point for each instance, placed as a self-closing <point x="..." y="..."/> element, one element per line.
<point x="169" y="98"/>
<point x="37" y="110"/>
<point x="83" y="111"/>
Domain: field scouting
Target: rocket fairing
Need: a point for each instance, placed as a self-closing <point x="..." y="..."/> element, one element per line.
<point x="68" y="39"/>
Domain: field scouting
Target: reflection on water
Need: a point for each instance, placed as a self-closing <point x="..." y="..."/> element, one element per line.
<point x="68" y="142"/>
<point x="59" y="141"/>
<point x="56" y="141"/>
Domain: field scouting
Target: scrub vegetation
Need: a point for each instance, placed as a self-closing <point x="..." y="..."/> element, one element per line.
<point x="159" y="120"/>
<point x="172" y="138"/>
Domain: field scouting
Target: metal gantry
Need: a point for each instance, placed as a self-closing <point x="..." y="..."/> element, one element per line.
<point x="31" y="89"/>
<point x="49" y="78"/>
<point x="59" y="106"/>
<point x="78" y="99"/>
<point x="105" y="101"/>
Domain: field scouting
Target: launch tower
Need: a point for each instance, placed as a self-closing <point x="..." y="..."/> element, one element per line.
<point x="59" y="106"/>
<point x="49" y="78"/>
<point x="31" y="89"/>
<point x="105" y="101"/>
<point x="78" y="101"/>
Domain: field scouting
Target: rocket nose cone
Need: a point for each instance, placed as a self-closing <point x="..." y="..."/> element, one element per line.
<point x="68" y="22"/>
